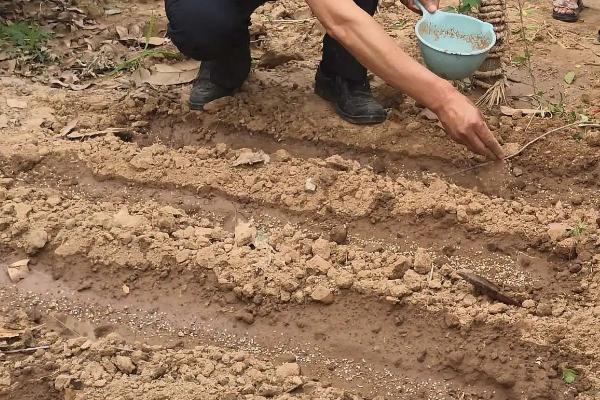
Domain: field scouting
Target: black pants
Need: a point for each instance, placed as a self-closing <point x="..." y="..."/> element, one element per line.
<point x="217" y="31"/>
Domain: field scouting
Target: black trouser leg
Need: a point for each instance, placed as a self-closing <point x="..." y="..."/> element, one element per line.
<point x="337" y="60"/>
<point x="215" y="31"/>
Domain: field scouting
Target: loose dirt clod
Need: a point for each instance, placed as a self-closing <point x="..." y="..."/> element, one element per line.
<point x="18" y="271"/>
<point x="322" y="294"/>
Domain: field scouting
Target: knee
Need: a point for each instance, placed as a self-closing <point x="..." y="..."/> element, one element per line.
<point x="205" y="29"/>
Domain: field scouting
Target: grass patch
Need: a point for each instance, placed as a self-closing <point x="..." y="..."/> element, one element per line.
<point x="24" y="38"/>
<point x="578" y="230"/>
<point x="135" y="62"/>
<point x="569" y="375"/>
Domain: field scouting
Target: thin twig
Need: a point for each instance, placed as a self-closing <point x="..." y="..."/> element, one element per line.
<point x="65" y="326"/>
<point x="24" y="350"/>
<point x="560" y="128"/>
<point x="522" y="149"/>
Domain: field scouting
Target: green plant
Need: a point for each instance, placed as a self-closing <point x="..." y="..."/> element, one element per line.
<point x="133" y="63"/>
<point x="464" y="6"/>
<point x="578" y="230"/>
<point x="26" y="38"/>
<point x="522" y="59"/>
<point x="569" y="375"/>
<point x="558" y="108"/>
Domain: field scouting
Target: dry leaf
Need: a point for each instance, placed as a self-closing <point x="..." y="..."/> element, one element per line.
<point x="569" y="77"/>
<point x="152" y="41"/>
<point x="249" y="157"/>
<point x="72" y="86"/>
<point x="170" y="74"/>
<point x="6" y="334"/>
<point x="16" y="103"/>
<point x="112" y="11"/>
<point x="140" y="75"/>
<point x="69" y="127"/>
<point x="122" y="32"/>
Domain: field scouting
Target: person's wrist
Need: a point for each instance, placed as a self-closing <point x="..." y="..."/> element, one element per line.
<point x="445" y="95"/>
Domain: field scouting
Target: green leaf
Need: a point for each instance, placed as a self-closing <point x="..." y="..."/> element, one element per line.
<point x="569" y="375"/>
<point x="465" y="6"/>
<point x="569" y="77"/>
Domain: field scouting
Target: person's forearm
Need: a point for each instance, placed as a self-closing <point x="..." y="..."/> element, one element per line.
<point x="362" y="36"/>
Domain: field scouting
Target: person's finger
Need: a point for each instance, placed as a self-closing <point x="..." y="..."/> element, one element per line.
<point x="430" y="5"/>
<point x="488" y="139"/>
<point x="477" y="146"/>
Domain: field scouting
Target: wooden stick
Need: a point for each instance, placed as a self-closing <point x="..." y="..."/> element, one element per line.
<point x="24" y="350"/>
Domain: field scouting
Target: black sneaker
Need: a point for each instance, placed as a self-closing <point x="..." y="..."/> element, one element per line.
<point x="204" y="90"/>
<point x="353" y="100"/>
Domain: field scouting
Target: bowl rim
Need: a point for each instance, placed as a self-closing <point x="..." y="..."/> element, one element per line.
<point x="474" y="53"/>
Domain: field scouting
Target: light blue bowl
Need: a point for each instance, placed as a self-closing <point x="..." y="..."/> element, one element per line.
<point x="453" y="46"/>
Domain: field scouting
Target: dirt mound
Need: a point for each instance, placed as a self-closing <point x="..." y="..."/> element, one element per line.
<point x="265" y="248"/>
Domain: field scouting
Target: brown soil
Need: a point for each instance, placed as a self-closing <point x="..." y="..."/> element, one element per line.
<point x="159" y="269"/>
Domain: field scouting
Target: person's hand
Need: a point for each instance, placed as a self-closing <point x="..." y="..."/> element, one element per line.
<point x="464" y="123"/>
<point x="431" y="5"/>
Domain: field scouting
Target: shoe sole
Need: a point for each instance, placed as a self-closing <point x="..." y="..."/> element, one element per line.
<point x="565" y="17"/>
<point x="200" y="106"/>
<point x="353" y="119"/>
<point x="196" y="106"/>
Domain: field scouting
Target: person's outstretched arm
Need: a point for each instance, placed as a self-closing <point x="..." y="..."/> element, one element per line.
<point x="362" y="36"/>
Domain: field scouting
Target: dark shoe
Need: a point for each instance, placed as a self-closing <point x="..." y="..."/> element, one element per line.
<point x="353" y="100"/>
<point x="204" y="90"/>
